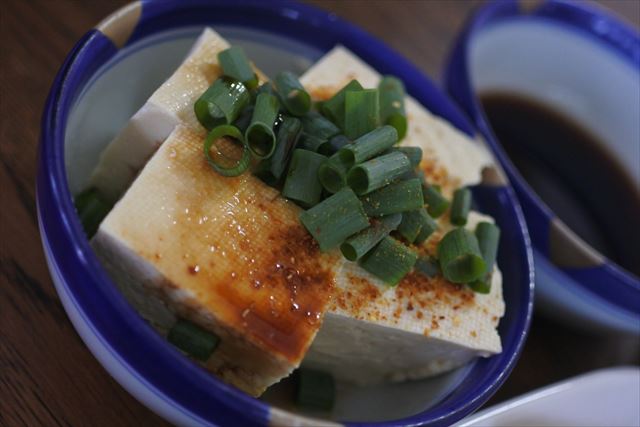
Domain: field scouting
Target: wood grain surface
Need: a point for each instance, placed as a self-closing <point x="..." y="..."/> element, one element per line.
<point x="47" y="375"/>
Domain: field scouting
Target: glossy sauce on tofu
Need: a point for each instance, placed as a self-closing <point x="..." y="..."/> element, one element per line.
<point x="233" y="244"/>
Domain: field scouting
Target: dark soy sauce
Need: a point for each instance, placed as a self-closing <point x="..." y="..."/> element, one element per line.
<point x="572" y="171"/>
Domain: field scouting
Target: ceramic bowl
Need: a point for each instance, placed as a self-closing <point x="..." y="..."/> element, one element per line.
<point x="585" y="63"/>
<point x="105" y="78"/>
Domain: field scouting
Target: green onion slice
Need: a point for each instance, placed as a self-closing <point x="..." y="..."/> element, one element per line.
<point x="460" y="257"/>
<point x="359" y="244"/>
<point x="292" y="94"/>
<point x="488" y="236"/>
<point x="235" y="65"/>
<point x="244" y="119"/>
<point x="310" y="142"/>
<point x="392" y="112"/>
<point x="230" y="156"/>
<point x="397" y="197"/>
<point x="437" y="204"/>
<point x="315" y="390"/>
<point x="92" y="209"/>
<point x="334" y="219"/>
<point x="193" y="340"/>
<point x="271" y="170"/>
<point x="302" y="184"/>
<point x="460" y="206"/>
<point x="369" y="145"/>
<point x="378" y="172"/>
<point x="414" y="173"/>
<point x="411" y="224"/>
<point x="333" y="174"/>
<point x="427" y="228"/>
<point x="333" y="108"/>
<point x="259" y="135"/>
<point x="335" y="143"/>
<point x="428" y="266"/>
<point x="482" y="286"/>
<point x="362" y="112"/>
<point x="413" y="153"/>
<point x="265" y="87"/>
<point x="315" y="124"/>
<point x="390" y="261"/>
<point x="221" y="103"/>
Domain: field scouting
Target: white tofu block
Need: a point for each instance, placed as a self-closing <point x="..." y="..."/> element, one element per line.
<point x="228" y="254"/>
<point x="170" y="105"/>
<point x="423" y="326"/>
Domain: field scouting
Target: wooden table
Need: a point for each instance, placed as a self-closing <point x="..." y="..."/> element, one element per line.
<point x="47" y="375"/>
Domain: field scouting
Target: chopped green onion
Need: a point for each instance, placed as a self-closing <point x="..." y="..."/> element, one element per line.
<point x="481" y="286"/>
<point x="361" y="112"/>
<point x="413" y="153"/>
<point x="429" y="225"/>
<point x="223" y="162"/>
<point x="272" y="169"/>
<point x="333" y="108"/>
<point x="359" y="244"/>
<point x="369" y="145"/>
<point x="265" y="87"/>
<point x="428" y="266"/>
<point x="335" y="143"/>
<point x="414" y="173"/>
<point x="488" y="236"/>
<point x="259" y="135"/>
<point x="315" y="124"/>
<point x="398" y="197"/>
<point x="92" y="209"/>
<point x="392" y="111"/>
<point x="235" y="65"/>
<point x="334" y="219"/>
<point x="193" y="340"/>
<point x="460" y="206"/>
<point x="222" y="103"/>
<point x="244" y="119"/>
<point x="437" y="204"/>
<point x="310" y="142"/>
<point x="460" y="257"/>
<point x="389" y="261"/>
<point x="302" y="184"/>
<point x="378" y="172"/>
<point x="333" y="174"/>
<point x="411" y="224"/>
<point x="292" y="94"/>
<point x="315" y="390"/>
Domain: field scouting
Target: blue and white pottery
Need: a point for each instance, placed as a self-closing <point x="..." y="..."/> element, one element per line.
<point x="586" y="63"/>
<point x="107" y="76"/>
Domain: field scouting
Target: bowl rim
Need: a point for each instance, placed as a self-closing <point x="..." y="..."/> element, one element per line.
<point x="71" y="255"/>
<point x="598" y="25"/>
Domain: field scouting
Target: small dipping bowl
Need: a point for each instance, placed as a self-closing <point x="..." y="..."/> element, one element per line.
<point x="107" y="76"/>
<point x="584" y="63"/>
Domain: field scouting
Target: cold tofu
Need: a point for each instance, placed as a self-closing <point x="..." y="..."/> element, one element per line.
<point x="422" y="327"/>
<point x="228" y="254"/>
<point x="373" y="333"/>
<point x="171" y="104"/>
<point x="231" y="255"/>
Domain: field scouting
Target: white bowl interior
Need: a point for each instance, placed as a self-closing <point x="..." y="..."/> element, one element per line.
<point x="122" y="87"/>
<point x="570" y="71"/>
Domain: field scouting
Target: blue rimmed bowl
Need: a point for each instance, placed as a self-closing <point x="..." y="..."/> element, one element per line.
<point x="585" y="63"/>
<point x="105" y="78"/>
